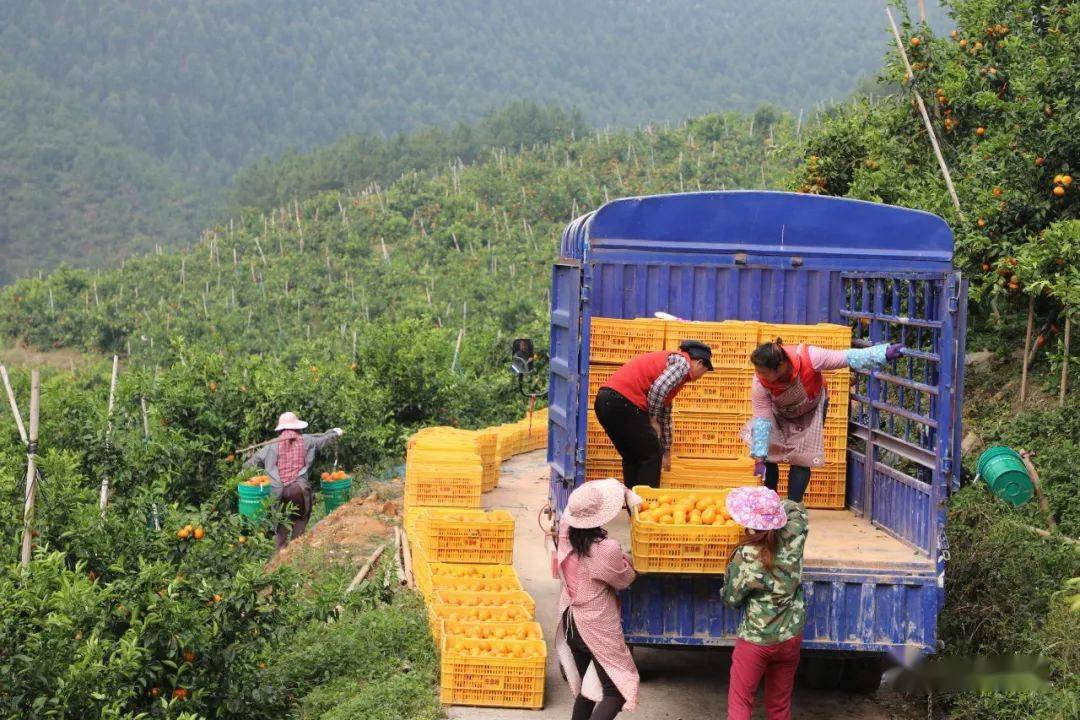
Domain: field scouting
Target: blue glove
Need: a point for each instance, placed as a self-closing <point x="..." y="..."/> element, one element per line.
<point x="893" y="351"/>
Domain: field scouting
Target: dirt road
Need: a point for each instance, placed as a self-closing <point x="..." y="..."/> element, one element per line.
<point x="676" y="684"/>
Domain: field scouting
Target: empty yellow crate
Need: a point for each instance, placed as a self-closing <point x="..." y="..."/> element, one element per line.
<point x="681" y="548"/>
<point x="473" y="536"/>
<point x="731" y="341"/>
<point x="697" y="473"/>
<point x="598" y="444"/>
<point x="827" y="489"/>
<point x="599" y="468"/>
<point x="492" y="630"/>
<point x="436" y="489"/>
<point x="615" y="341"/>
<point x="493" y="673"/>
<point x="466" y="598"/>
<point x="721" y="391"/>
<point x="823" y="335"/>
<point x="709" y="435"/>
<point x="598" y="376"/>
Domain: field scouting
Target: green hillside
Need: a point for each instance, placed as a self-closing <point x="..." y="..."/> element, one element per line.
<point x="72" y="189"/>
<point x="208" y="88"/>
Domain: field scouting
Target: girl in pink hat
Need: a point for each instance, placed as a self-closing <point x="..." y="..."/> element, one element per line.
<point x="593" y="567"/>
<point x="764" y="577"/>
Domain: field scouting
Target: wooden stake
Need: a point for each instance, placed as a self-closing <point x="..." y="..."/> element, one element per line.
<point x="365" y="569"/>
<point x="406" y="556"/>
<point x="457" y="349"/>
<point x="103" y="500"/>
<point x="1027" y="349"/>
<point x="1065" y="363"/>
<point x="925" y="117"/>
<point x="145" y="419"/>
<point x="397" y="556"/>
<point x="14" y="405"/>
<point x="1034" y="475"/>
<point x="31" y="468"/>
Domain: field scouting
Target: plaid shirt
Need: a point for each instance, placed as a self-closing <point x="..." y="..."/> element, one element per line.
<point x="291" y="456"/>
<point x="677" y="370"/>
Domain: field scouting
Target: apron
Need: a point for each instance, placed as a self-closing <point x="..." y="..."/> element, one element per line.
<point x="798" y="432"/>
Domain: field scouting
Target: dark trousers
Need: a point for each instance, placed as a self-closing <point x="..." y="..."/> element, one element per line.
<point x="632" y="435"/>
<point x="294" y="494"/>
<point x="585" y="709"/>
<point x="798" y="478"/>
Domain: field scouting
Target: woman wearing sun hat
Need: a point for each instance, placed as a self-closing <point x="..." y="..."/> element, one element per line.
<point x="764" y="577"/>
<point x="593" y="567"/>
<point x="288" y="461"/>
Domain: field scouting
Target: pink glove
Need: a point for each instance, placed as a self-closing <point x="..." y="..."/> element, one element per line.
<point x="759" y="469"/>
<point x="893" y="351"/>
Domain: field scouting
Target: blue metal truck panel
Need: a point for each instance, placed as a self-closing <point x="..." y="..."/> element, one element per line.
<point x="787" y="258"/>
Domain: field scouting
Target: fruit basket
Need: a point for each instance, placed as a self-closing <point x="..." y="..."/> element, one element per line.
<point x="682" y="531"/>
<point x="493" y="673"/>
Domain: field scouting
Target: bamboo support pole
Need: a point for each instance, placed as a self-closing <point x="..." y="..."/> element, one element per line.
<point x="365" y="569"/>
<point x="14" y="404"/>
<point x="103" y="500"/>
<point x="406" y="556"/>
<point x="1065" y="363"/>
<point x="31" y="469"/>
<point x="398" y="565"/>
<point x="1027" y="349"/>
<point x="145" y="419"/>
<point x="925" y="116"/>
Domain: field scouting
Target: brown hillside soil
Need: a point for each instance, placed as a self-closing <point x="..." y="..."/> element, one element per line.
<point x="348" y="534"/>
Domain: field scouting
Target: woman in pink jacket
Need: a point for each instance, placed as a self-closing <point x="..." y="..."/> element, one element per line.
<point x="789" y="399"/>
<point x="593" y="567"/>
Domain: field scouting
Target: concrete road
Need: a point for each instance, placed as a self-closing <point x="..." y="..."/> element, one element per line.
<point x="676" y="684"/>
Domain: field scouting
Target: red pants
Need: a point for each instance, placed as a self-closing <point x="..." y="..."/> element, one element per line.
<point x="777" y="663"/>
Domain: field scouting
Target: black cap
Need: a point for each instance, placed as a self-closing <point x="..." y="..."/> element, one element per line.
<point x="698" y="350"/>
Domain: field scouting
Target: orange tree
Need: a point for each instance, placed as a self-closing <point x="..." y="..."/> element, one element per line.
<point x="1004" y="98"/>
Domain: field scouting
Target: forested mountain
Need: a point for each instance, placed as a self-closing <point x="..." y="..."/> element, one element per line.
<point x="209" y="87"/>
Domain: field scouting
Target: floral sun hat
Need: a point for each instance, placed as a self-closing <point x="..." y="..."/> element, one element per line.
<point x="757" y="508"/>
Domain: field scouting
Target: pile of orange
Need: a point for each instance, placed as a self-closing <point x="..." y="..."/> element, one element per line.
<point x="486" y="649"/>
<point x="258" y="480"/>
<point x="485" y="614"/>
<point x="468" y="571"/>
<point x="692" y="509"/>
<point x="484" y="632"/>
<point x="336" y="475"/>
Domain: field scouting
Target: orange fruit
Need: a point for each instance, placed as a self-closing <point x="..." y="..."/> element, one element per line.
<point x="242" y="539"/>
<point x="916" y="41"/>
<point x="189" y="656"/>
<point x="982" y="222"/>
<point x="183" y="533"/>
<point x="199" y="533"/>
<point x="155" y="691"/>
<point x="1039" y="161"/>
<point x="980" y="131"/>
<point x="179" y="693"/>
<point x="1059" y="191"/>
<point x="1066" y="179"/>
<point x="996" y="191"/>
<point x="217" y="598"/>
<point x="325" y="476"/>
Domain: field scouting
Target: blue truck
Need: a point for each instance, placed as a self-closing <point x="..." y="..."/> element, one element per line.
<point x="874" y="572"/>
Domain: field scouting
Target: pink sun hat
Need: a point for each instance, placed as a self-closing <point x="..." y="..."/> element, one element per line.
<point x="757" y="508"/>
<point x="595" y="503"/>
<point x="289" y="421"/>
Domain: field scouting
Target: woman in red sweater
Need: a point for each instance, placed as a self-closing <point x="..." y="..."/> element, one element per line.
<point x="634" y="407"/>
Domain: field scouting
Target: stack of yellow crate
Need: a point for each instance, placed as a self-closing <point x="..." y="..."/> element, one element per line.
<point x="707" y="451"/>
<point x="492" y="650"/>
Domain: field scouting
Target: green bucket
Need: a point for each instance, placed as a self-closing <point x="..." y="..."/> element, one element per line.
<point x="1005" y="473"/>
<point x="336" y="493"/>
<point x="253" y="500"/>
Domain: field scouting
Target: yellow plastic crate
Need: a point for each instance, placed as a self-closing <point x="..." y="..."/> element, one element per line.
<point x="467" y="598"/>
<point x="599" y="468"/>
<point x="823" y="335"/>
<point x="503" y="584"/>
<point x="598" y="376"/>
<point x="434" y="572"/>
<point x="439" y="613"/>
<point x="731" y="341"/>
<point x="614" y="341"/>
<point x="442" y="489"/>
<point x="681" y="548"/>
<point x="492" y="630"/>
<point x="705" y="474"/>
<point x="708" y="435"/>
<point x="473" y="536"/>
<point x="493" y="673"/>
<point x="722" y="391"/>
<point x="827" y="489"/>
<point x="597" y="442"/>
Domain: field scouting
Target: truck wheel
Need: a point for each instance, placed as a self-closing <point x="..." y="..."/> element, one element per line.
<point x="862" y="675"/>
<point x="822" y="673"/>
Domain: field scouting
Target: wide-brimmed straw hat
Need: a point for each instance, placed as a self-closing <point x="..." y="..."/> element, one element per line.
<point x="289" y="421"/>
<point x="595" y="503"/>
<point x="757" y="508"/>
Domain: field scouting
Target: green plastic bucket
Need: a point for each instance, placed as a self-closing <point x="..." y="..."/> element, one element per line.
<point x="336" y="493"/>
<point x="253" y="500"/>
<point x="1005" y="473"/>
